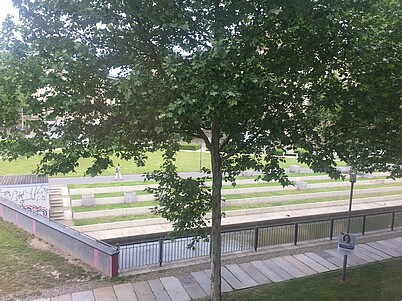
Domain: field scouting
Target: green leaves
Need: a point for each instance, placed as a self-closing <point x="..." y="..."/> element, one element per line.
<point x="183" y="201"/>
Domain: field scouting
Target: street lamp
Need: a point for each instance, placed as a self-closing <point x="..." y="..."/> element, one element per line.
<point x="352" y="180"/>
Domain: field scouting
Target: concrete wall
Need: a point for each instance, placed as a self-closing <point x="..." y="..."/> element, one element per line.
<point x="103" y="257"/>
<point x="33" y="197"/>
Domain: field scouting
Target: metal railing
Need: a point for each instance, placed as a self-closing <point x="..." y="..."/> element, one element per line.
<point x="167" y="250"/>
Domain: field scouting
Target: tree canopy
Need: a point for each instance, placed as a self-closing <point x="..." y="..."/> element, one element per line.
<point x="247" y="77"/>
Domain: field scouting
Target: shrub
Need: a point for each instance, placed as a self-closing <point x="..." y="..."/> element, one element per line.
<point x="193" y="147"/>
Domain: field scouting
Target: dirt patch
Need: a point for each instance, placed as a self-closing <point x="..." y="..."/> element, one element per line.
<point x="42" y="245"/>
<point x="39" y="244"/>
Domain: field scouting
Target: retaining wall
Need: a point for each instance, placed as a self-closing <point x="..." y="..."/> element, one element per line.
<point x="101" y="256"/>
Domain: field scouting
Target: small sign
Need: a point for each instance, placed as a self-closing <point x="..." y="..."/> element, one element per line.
<point x="346" y="243"/>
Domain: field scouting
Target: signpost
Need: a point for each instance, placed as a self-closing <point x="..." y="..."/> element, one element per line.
<point x="352" y="180"/>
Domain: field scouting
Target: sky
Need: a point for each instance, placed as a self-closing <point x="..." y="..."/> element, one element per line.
<point x="6" y="7"/>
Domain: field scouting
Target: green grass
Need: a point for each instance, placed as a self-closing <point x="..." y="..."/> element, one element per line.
<point x="373" y="282"/>
<point x="186" y="161"/>
<point x="114" y="206"/>
<point x="287" y="192"/>
<point x="113" y="219"/>
<point x="230" y="207"/>
<point x="24" y="269"/>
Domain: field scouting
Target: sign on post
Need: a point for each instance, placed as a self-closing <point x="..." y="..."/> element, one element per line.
<point x="346" y="243"/>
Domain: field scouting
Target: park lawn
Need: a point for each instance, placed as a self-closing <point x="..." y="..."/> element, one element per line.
<point x="25" y="270"/>
<point x="186" y="161"/>
<point x="372" y="282"/>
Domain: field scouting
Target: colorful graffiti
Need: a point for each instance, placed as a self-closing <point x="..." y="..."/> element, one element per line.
<point x="33" y="198"/>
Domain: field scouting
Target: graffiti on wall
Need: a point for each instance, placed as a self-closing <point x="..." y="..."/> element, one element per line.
<point x="33" y="198"/>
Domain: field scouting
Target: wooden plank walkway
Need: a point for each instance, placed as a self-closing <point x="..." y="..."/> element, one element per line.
<point x="196" y="285"/>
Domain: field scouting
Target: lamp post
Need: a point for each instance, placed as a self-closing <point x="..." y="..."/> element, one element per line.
<point x="352" y="180"/>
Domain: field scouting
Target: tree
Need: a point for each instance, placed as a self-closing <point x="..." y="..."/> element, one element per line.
<point x="247" y="77"/>
<point x="371" y="117"/>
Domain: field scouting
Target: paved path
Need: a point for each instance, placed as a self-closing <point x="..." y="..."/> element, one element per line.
<point x="135" y="177"/>
<point x="107" y="179"/>
<point x="195" y="285"/>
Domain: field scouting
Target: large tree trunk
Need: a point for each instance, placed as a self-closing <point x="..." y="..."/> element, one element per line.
<point x="216" y="213"/>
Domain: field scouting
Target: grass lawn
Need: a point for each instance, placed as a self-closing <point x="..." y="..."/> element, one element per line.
<point x="25" y="269"/>
<point x="113" y="219"/>
<point x="187" y="161"/>
<point x="374" y="282"/>
<point x="115" y="206"/>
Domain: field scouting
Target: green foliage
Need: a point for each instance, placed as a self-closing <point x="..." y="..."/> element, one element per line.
<point x="192" y="147"/>
<point x="183" y="201"/>
<point x="365" y="123"/>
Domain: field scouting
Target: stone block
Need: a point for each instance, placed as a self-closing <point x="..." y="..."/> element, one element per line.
<point x="88" y="200"/>
<point x="130" y="197"/>
<point x="301" y="185"/>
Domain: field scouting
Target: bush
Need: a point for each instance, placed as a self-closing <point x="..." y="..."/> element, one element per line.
<point x="192" y="147"/>
<point x="278" y="152"/>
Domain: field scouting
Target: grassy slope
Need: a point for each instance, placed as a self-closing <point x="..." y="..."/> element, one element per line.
<point x="25" y="269"/>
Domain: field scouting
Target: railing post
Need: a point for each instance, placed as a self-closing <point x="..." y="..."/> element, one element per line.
<point x="118" y="249"/>
<point x="256" y="238"/>
<point x="296" y="233"/>
<point x="160" y="252"/>
<point x="331" y="230"/>
<point x="364" y="224"/>
<point x="393" y="221"/>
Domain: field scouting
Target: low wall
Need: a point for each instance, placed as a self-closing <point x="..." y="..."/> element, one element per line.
<point x="103" y="257"/>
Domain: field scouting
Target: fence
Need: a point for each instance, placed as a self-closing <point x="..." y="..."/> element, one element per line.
<point x="166" y="250"/>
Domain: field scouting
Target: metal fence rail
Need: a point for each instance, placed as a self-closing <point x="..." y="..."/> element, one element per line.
<point x="167" y="250"/>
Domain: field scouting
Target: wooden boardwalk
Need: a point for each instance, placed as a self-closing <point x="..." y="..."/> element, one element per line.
<point x="196" y="285"/>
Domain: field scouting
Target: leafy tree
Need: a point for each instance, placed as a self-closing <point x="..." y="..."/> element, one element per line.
<point x="246" y="77"/>
<point x="370" y="118"/>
